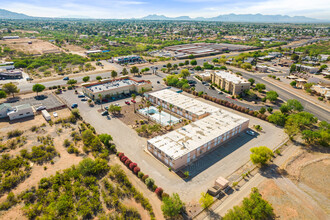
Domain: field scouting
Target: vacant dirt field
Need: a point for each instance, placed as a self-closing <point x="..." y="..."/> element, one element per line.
<point x="308" y="197"/>
<point x="37" y="47"/>
<point x="75" y="49"/>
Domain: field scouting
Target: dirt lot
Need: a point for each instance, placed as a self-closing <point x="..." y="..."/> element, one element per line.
<point x="64" y="161"/>
<point x="75" y="49"/>
<point x="37" y="47"/>
<point x="310" y="173"/>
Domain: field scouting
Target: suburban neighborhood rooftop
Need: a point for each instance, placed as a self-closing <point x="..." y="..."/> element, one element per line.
<point x="230" y="77"/>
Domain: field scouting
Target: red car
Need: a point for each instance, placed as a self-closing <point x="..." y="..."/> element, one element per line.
<point x="127" y="103"/>
<point x="133" y="101"/>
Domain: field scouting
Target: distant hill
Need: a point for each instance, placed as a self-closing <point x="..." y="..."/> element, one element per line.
<point x="5" y="14"/>
<point x="255" y="18"/>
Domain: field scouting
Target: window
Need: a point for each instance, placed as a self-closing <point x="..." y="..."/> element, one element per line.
<point x="20" y="114"/>
<point x="28" y="113"/>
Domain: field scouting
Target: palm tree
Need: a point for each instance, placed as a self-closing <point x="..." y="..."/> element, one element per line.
<point x="100" y="97"/>
<point x="148" y="104"/>
<point x="160" y="108"/>
<point x="134" y="97"/>
<point x="171" y="106"/>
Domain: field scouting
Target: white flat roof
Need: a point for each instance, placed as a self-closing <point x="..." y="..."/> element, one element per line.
<point x="190" y="137"/>
<point x="112" y="85"/>
<point x="230" y="77"/>
<point x="184" y="102"/>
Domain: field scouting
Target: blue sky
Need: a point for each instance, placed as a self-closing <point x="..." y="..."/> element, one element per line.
<point x="193" y="8"/>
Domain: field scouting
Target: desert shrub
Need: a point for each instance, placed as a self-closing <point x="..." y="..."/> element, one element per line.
<point x="123" y="159"/>
<point x="128" y="162"/>
<point x="136" y="170"/>
<point x="140" y="174"/>
<point x="149" y="182"/>
<point x="132" y="166"/>
<point x="14" y="133"/>
<point x="159" y="192"/>
<point x="120" y="155"/>
<point x="145" y="177"/>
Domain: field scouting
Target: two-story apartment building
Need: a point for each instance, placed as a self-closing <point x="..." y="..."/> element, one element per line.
<point x="234" y="84"/>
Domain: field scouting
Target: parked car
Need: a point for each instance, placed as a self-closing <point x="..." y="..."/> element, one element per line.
<point x="133" y="101"/>
<point x="84" y="99"/>
<point x="158" y="82"/>
<point x="74" y="105"/>
<point x="66" y="78"/>
<point x="105" y="113"/>
<point x="41" y="108"/>
<point x="249" y="132"/>
<point x="55" y="114"/>
<point x="220" y="92"/>
<point x="81" y="96"/>
<point x="127" y="103"/>
<point x="106" y="107"/>
<point x="117" y="104"/>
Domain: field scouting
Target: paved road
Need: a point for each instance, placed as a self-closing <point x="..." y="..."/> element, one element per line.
<point x="285" y="95"/>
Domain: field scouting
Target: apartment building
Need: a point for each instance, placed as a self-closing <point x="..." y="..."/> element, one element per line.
<point x="234" y="84"/>
<point x="212" y="127"/>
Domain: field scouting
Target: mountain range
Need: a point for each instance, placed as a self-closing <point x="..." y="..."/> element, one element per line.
<point x="255" y="18"/>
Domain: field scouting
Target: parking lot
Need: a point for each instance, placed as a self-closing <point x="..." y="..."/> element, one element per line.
<point x="49" y="100"/>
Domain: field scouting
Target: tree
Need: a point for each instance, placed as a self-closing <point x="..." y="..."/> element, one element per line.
<point x="100" y="98"/>
<point x="252" y="81"/>
<point x="271" y="96"/>
<point x="99" y="78"/>
<point x="186" y="62"/>
<point x="3" y="94"/>
<point x="134" y="70"/>
<point x="105" y="139"/>
<point x="185" y="73"/>
<point x="270" y="109"/>
<point x="260" y="87"/>
<point x="293" y="68"/>
<point x="261" y="155"/>
<point x="134" y="97"/>
<point x="247" y="66"/>
<point x="124" y="72"/>
<point x="293" y="83"/>
<point x="172" y="205"/>
<point x="71" y="82"/>
<point x="191" y="56"/>
<point x="193" y="62"/>
<point x="169" y="65"/>
<point x="294" y="105"/>
<point x="160" y="109"/>
<point x="148" y="104"/>
<point x="262" y="110"/>
<point x="206" y="200"/>
<point x="277" y="118"/>
<point x="284" y="108"/>
<point x="253" y="207"/>
<point x="294" y="57"/>
<point x="113" y="74"/>
<point x="10" y="88"/>
<point x="38" y="88"/>
<point x="86" y="78"/>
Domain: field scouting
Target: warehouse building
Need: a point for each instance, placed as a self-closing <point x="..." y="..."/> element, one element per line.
<point x="116" y="87"/>
<point x="212" y="126"/>
<point x="230" y="82"/>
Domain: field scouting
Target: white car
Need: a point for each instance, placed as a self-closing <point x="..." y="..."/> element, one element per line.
<point x="55" y="114"/>
<point x="117" y="104"/>
<point x="249" y="132"/>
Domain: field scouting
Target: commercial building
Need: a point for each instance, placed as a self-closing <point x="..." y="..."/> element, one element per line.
<point x="17" y="112"/>
<point x="308" y="69"/>
<point x="10" y="37"/>
<point x="7" y="66"/>
<point x="114" y="88"/>
<point x="230" y="82"/>
<point x="127" y="59"/>
<point x="205" y="76"/>
<point x="11" y="74"/>
<point x="212" y="126"/>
